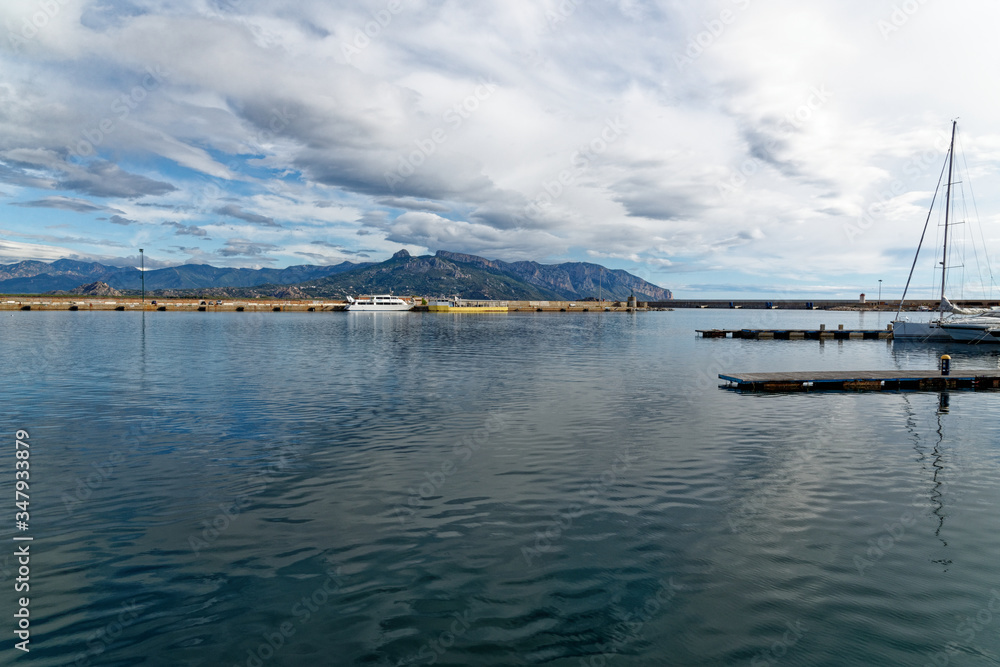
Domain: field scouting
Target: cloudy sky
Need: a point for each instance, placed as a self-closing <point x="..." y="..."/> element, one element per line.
<point x="739" y="147"/>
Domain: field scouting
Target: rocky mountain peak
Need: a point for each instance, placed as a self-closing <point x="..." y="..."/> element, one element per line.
<point x="96" y="289"/>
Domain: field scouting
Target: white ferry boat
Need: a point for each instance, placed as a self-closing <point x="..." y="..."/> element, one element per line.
<point x="377" y="303"/>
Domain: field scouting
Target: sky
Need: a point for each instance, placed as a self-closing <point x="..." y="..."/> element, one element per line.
<point x="741" y="148"/>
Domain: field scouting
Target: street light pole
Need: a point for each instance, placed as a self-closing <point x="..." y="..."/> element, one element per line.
<point x="142" y="278"/>
<point x="880" y="294"/>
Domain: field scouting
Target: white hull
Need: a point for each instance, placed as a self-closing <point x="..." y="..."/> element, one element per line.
<point x="948" y="331"/>
<point x="380" y="303"/>
<point x="919" y="331"/>
<point x="364" y="308"/>
<point x="973" y="333"/>
<point x="953" y="324"/>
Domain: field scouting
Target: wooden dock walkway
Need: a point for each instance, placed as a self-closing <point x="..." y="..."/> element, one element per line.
<point x="799" y="334"/>
<point x="863" y="380"/>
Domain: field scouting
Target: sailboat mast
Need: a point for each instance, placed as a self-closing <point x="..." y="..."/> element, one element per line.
<point x="947" y="210"/>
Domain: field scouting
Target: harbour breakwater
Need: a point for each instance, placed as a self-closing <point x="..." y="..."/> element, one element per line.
<point x="819" y="304"/>
<point x="77" y="303"/>
<point x="161" y="304"/>
<point x="71" y="302"/>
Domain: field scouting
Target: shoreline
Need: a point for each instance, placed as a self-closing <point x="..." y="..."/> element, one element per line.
<point x="187" y="304"/>
<point x="134" y="303"/>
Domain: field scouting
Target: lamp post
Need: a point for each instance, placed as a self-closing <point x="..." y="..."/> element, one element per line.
<point x="880" y="294"/>
<point x="142" y="278"/>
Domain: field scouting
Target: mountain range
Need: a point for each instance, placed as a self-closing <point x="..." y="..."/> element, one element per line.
<point x="442" y="274"/>
<point x="33" y="277"/>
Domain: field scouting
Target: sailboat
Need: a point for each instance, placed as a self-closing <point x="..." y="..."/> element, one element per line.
<point x="952" y="323"/>
<point x="982" y="328"/>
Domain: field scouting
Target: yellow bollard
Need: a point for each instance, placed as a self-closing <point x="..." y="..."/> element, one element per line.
<point x="945" y="364"/>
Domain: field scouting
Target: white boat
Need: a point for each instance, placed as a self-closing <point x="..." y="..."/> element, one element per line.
<point x="982" y="328"/>
<point x="377" y="303"/>
<point x="952" y="323"/>
<point x="922" y="332"/>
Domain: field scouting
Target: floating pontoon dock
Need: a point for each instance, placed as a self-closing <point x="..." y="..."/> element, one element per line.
<point x="863" y="380"/>
<point x="799" y="334"/>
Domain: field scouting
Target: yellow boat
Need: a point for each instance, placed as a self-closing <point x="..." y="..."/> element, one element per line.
<point x="466" y="306"/>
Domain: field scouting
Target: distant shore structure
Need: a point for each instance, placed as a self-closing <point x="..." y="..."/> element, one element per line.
<point x="456" y="305"/>
<point x="211" y="305"/>
<point x="216" y="304"/>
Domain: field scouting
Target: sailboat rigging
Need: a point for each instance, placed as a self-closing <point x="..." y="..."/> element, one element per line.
<point x="977" y="325"/>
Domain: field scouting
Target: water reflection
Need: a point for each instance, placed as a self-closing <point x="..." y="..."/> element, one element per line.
<point x="753" y="508"/>
<point x="934" y="461"/>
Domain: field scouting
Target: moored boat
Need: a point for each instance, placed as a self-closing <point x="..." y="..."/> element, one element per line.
<point x="952" y="323"/>
<point x="923" y="332"/>
<point x="378" y="303"/>
<point x="984" y="328"/>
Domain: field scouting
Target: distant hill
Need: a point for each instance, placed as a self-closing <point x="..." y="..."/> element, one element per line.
<point x="428" y="276"/>
<point x="67" y="274"/>
<point x="468" y="276"/>
<point x="63" y="274"/>
<point x="195" y="276"/>
<point x="96" y="289"/>
<point x="571" y="280"/>
<point x="442" y="274"/>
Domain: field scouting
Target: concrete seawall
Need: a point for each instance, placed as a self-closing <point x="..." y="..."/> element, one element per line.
<point x="269" y="305"/>
<point x="154" y="305"/>
<point x="817" y="304"/>
<point x="63" y="302"/>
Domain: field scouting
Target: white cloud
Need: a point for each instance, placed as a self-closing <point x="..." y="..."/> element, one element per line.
<point x="17" y="251"/>
<point x="733" y="136"/>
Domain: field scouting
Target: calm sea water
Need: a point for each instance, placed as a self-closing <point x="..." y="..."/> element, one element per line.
<point x="520" y="489"/>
